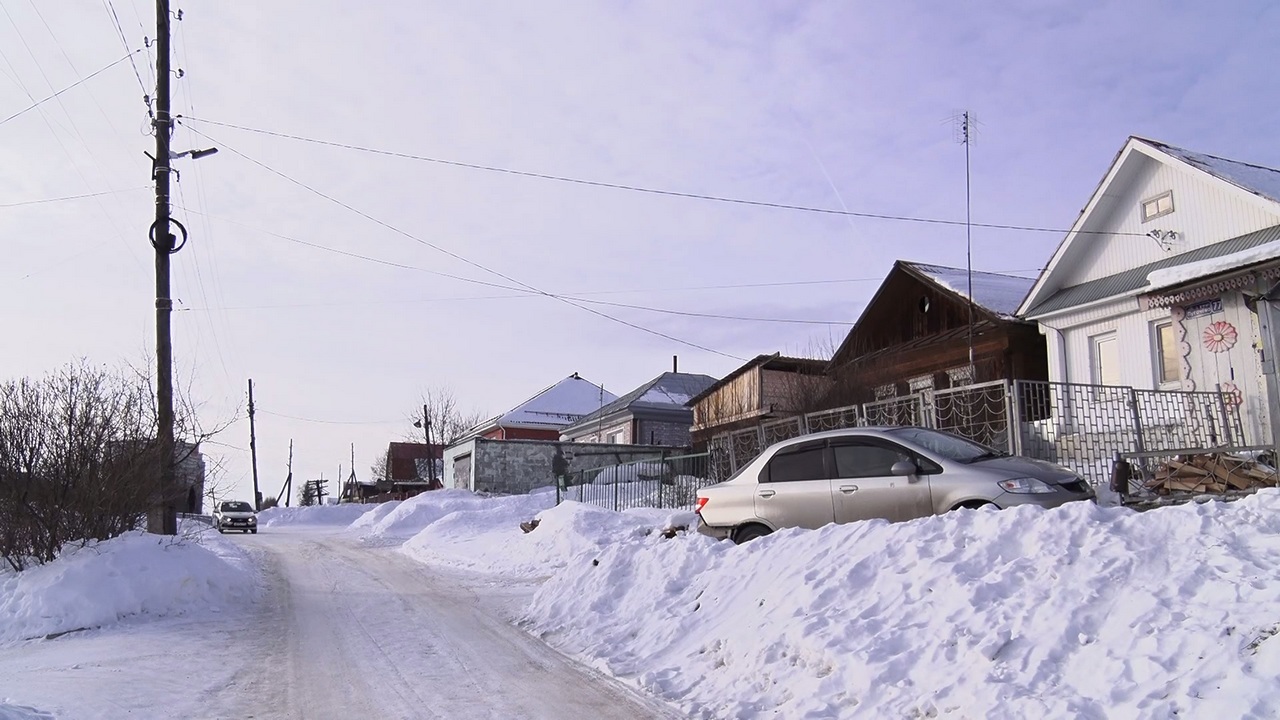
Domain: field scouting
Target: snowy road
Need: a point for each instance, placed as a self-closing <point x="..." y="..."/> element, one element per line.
<point x="343" y="631"/>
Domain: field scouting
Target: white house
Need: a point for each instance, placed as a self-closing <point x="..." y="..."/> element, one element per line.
<point x="1166" y="281"/>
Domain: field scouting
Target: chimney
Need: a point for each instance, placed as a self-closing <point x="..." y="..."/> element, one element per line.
<point x="675" y="363"/>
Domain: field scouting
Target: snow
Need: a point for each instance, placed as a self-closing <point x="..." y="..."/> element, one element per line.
<point x="1178" y="274"/>
<point x="134" y="576"/>
<point x="339" y="515"/>
<point x="1081" y="611"/>
<point x="1259" y="180"/>
<point x="658" y="396"/>
<point x="1001" y="294"/>
<point x="560" y="405"/>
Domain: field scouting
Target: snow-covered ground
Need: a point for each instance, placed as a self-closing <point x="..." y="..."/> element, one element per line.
<point x="1078" y="612"/>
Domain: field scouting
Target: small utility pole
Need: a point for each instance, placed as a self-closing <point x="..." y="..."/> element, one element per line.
<point x="426" y="428"/>
<point x="288" y="481"/>
<point x="253" y="452"/>
<point x="965" y="135"/>
<point x="163" y="242"/>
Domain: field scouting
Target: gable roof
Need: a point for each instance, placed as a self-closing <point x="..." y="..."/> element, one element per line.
<point x="668" y="392"/>
<point x="996" y="296"/>
<point x="553" y="408"/>
<point x="999" y="294"/>
<point x="1262" y="183"/>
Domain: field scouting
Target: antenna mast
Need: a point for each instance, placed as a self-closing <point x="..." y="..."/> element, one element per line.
<point x="966" y="132"/>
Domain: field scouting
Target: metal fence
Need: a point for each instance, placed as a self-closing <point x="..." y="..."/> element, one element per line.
<point x="659" y="482"/>
<point x="1079" y="426"/>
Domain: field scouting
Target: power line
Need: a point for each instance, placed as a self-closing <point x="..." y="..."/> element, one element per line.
<point x="468" y="261"/>
<point x="652" y="191"/>
<point x="331" y="422"/>
<point x="115" y="19"/>
<point x="81" y="81"/>
<point x="577" y="296"/>
<point x="73" y="197"/>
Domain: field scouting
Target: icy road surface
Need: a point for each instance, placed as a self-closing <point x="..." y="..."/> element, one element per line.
<point x="343" y="631"/>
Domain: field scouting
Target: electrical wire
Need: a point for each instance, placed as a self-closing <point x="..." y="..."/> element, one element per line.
<point x="77" y="83"/>
<point x="524" y="293"/>
<point x="653" y="191"/>
<point x="468" y="261"/>
<point x="83" y="196"/>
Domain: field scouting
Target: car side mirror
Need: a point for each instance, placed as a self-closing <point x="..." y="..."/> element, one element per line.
<point x="903" y="468"/>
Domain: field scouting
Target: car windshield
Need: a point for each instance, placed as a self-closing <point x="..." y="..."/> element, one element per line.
<point x="952" y="447"/>
<point x="236" y="507"/>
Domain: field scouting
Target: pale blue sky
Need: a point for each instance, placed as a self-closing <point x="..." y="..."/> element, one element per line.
<point x="830" y="105"/>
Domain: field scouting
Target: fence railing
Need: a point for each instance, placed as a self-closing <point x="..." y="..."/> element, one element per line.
<point x="659" y="482"/>
<point x="1079" y="426"/>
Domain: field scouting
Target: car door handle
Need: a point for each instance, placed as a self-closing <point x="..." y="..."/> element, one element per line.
<point x="848" y="489"/>
<point x="767" y="493"/>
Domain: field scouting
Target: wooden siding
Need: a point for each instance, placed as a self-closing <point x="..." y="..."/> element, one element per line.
<point x="740" y="397"/>
<point x="1206" y="211"/>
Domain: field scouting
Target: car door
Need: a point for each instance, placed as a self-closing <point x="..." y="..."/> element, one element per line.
<point x="863" y="487"/>
<point x="794" y="488"/>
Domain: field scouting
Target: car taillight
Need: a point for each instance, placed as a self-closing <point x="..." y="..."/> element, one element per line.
<point x="702" y="501"/>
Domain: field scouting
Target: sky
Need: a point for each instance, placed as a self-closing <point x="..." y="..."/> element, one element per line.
<point x="347" y="283"/>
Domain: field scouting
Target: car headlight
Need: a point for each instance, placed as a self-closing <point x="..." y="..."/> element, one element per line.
<point x="253" y="521"/>
<point x="1025" y="486"/>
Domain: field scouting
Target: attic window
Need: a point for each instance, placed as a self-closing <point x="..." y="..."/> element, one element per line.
<point x="1157" y="206"/>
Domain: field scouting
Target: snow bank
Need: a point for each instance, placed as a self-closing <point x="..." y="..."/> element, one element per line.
<point x="411" y="516"/>
<point x="313" y="515"/>
<point x="22" y="712"/>
<point x="1080" y="611"/>
<point x="132" y="575"/>
<point x="367" y="521"/>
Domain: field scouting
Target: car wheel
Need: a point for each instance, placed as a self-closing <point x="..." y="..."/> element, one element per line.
<point x="221" y="531"/>
<point x="975" y="505"/>
<point x="254" y="531"/>
<point x="747" y="533"/>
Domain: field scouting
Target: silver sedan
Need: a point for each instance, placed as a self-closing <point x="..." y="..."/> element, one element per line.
<point x="896" y="473"/>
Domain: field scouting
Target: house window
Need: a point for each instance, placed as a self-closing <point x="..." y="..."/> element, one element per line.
<point x="1161" y="204"/>
<point x="920" y="383"/>
<point x="884" y="392"/>
<point x="1164" y="345"/>
<point x="1105" y="356"/>
<point x="615" y="438"/>
<point x="960" y="376"/>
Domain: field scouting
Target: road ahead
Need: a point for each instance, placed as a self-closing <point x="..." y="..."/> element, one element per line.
<point x="343" y="631"/>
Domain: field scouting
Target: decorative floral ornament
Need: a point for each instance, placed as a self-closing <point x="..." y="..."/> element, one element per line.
<point x="1220" y="337"/>
<point x="1231" y="394"/>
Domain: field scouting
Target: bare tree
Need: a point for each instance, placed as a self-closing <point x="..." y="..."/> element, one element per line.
<point x="449" y="422"/>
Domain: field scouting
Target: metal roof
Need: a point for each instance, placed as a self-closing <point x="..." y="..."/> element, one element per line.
<point x="669" y="391"/>
<point x="1130" y="281"/>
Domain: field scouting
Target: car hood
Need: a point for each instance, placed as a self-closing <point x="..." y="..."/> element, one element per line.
<point x="1015" y="466"/>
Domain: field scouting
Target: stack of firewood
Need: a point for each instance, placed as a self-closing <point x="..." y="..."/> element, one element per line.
<point x="1211" y="473"/>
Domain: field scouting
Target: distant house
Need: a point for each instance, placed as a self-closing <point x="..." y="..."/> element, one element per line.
<point x="915" y="334"/>
<point x="765" y="388"/>
<point x="1168" y="280"/>
<point x="545" y="415"/>
<point x="655" y="413"/>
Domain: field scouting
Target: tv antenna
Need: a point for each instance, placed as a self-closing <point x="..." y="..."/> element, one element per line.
<point x="965" y="129"/>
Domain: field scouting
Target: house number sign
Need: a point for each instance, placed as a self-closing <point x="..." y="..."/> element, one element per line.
<point x="1207" y="307"/>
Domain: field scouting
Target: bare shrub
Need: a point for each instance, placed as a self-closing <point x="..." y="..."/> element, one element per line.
<point x="78" y="460"/>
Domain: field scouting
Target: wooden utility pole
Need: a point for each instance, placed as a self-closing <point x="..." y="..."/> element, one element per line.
<point x="165" y="521"/>
<point x="253" y="452"/>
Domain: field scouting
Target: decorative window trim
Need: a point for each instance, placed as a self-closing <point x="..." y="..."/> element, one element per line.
<point x="920" y="383"/>
<point x="885" y="392"/>
<point x="960" y="376"/>
<point x="1151" y="207"/>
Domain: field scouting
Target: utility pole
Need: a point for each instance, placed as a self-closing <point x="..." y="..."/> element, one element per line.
<point x="426" y="428"/>
<point x="163" y="242"/>
<point x="253" y="452"/>
<point x="966" y="124"/>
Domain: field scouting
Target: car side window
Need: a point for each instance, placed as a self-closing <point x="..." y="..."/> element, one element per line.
<point x="791" y="465"/>
<point x="866" y="459"/>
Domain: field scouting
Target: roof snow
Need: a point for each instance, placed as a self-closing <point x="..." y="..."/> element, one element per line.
<point x="1001" y="294"/>
<point x="1256" y="179"/>
<point x="559" y="405"/>
<point x="1178" y="274"/>
<point x="669" y="390"/>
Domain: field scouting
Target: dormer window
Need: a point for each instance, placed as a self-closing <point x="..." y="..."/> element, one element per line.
<point x="1161" y="204"/>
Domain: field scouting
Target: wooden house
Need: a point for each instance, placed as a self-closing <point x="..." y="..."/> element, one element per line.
<point x="765" y="388"/>
<point x="920" y="331"/>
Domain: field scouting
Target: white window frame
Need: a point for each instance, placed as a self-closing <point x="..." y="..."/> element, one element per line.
<point x="614" y="437"/>
<point x="1157" y="357"/>
<point x="887" y="391"/>
<point x="960" y="376"/>
<point x="1154" y="203"/>
<point x="920" y="383"/>
<point x="1096" y="370"/>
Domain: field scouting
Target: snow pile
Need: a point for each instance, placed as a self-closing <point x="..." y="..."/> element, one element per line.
<point x="368" y="520"/>
<point x="1187" y="272"/>
<point x="1001" y="294"/>
<point x="341" y="515"/>
<point x="22" y="712"/>
<point x="135" y="574"/>
<point x="489" y="538"/>
<point x="1080" y="611"/>
<point x="420" y="511"/>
